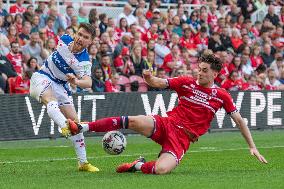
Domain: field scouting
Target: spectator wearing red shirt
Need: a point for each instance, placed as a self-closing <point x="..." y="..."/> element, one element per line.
<point x="236" y="39"/>
<point x="232" y="83"/>
<point x="187" y="40"/>
<point x="255" y="57"/>
<point x="201" y="40"/>
<point x="251" y="85"/>
<point x="17" y="8"/>
<point x="111" y="84"/>
<point x="22" y="83"/>
<point x="236" y="65"/>
<point x="224" y="73"/>
<point x="212" y="16"/>
<point x="123" y="64"/>
<point x="16" y="58"/>
<point x="121" y="29"/>
<point x="173" y="60"/>
<point x="18" y="21"/>
<point x="152" y="6"/>
<point x="151" y="33"/>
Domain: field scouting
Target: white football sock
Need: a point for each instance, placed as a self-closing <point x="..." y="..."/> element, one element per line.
<point x="80" y="147"/>
<point x="138" y="166"/>
<point x="55" y="114"/>
<point x="85" y="127"/>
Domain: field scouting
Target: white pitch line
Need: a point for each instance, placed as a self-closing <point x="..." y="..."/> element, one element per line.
<point x="131" y="155"/>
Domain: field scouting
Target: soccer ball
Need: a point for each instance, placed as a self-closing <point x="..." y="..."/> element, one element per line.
<point x="114" y="142"/>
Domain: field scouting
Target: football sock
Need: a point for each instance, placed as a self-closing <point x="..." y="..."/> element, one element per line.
<point x="138" y="166"/>
<point x="148" y="167"/>
<point x="80" y="147"/>
<point x="107" y="124"/>
<point x="55" y="114"/>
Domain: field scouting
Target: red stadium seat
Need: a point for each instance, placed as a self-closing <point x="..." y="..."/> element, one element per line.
<point x="123" y="80"/>
<point x="142" y="85"/>
<point x="11" y="83"/>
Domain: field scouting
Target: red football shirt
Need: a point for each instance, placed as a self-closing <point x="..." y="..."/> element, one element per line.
<point x="16" y="60"/>
<point x="197" y="105"/>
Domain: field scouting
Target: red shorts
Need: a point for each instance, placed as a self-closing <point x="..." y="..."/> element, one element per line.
<point x="171" y="137"/>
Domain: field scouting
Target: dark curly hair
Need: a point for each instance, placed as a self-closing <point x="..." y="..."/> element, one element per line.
<point x="210" y="58"/>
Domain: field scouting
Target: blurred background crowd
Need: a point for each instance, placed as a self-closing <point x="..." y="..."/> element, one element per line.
<point x="145" y="35"/>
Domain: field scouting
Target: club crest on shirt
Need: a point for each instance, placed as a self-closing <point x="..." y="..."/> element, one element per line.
<point x="214" y="92"/>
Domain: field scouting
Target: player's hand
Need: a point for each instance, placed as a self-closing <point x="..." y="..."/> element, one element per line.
<point x="254" y="152"/>
<point x="147" y="73"/>
<point x="71" y="78"/>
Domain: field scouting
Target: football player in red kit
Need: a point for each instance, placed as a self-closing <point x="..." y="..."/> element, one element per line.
<point x="198" y="102"/>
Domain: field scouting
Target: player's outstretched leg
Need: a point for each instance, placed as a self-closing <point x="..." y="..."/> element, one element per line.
<point x="164" y="164"/>
<point x="101" y="125"/>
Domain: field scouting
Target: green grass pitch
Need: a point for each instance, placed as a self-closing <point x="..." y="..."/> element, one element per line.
<point x="218" y="160"/>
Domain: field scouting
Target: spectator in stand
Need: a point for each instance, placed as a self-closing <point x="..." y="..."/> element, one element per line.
<point x="18" y="21"/>
<point x="111" y="84"/>
<point x="233" y="82"/>
<point x="67" y="16"/>
<point x="278" y="66"/>
<point x="92" y="50"/>
<point x="273" y="18"/>
<point x="28" y="14"/>
<point x="187" y="40"/>
<point x="236" y="39"/>
<point x="16" y="58"/>
<point x="125" y="42"/>
<point x="271" y="82"/>
<point x="12" y="34"/>
<point x="8" y="20"/>
<point x="260" y="4"/>
<point x="224" y="73"/>
<point x="17" y="8"/>
<point x="150" y="62"/>
<point x="127" y="13"/>
<point x="161" y="50"/>
<point x="267" y="55"/>
<point x="98" y="85"/>
<point x="236" y="65"/>
<point x="32" y="65"/>
<point x="105" y="64"/>
<point x="123" y="63"/>
<point x="255" y="57"/>
<point x="215" y="43"/>
<point x="173" y="61"/>
<point x="201" y="40"/>
<point x="234" y="12"/>
<point x="50" y="46"/>
<point x="3" y="12"/>
<point x="152" y="6"/>
<point x="194" y="23"/>
<point x="35" y="23"/>
<point x="247" y="7"/>
<point x="247" y="69"/>
<point x="175" y="40"/>
<point x="177" y="26"/>
<point x="6" y="67"/>
<point x="34" y="48"/>
<point x="251" y="85"/>
<point x="83" y="15"/>
<point x="282" y="77"/>
<point x="104" y="22"/>
<point x="225" y="39"/>
<point x="74" y="23"/>
<point x="137" y="60"/>
<point x="22" y="83"/>
<point x="152" y="33"/>
<point x="24" y="36"/>
<point x="246" y="42"/>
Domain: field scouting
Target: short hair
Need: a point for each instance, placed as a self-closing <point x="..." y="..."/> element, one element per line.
<point x="89" y="28"/>
<point x="209" y="58"/>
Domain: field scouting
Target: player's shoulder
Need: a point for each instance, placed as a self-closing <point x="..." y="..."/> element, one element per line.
<point x="83" y="56"/>
<point x="66" y="39"/>
<point x="222" y="92"/>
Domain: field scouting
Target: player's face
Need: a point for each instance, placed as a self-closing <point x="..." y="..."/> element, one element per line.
<point x="82" y="39"/>
<point x="206" y="75"/>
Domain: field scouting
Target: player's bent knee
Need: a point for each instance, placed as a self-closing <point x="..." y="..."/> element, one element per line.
<point x="135" y="121"/>
<point x="162" y="169"/>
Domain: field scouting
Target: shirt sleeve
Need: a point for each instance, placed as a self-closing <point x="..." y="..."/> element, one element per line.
<point x="175" y="83"/>
<point x="228" y="104"/>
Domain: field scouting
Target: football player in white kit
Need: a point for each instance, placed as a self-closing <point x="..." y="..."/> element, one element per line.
<point x="69" y="63"/>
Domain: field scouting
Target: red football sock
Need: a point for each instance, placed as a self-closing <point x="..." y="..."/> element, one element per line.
<point x="148" y="167"/>
<point x="109" y="124"/>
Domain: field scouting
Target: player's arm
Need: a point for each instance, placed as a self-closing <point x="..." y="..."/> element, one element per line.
<point x="247" y="135"/>
<point x="153" y="81"/>
<point x="84" y="82"/>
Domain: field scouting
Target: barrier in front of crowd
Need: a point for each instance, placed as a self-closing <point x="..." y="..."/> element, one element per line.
<point x="24" y="118"/>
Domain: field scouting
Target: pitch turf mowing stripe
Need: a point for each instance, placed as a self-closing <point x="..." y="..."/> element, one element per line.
<point x="210" y="149"/>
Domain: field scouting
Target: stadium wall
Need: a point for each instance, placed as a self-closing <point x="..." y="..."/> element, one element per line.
<point x="21" y="117"/>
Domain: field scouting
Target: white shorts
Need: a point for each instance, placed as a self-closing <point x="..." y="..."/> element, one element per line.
<point x="39" y="83"/>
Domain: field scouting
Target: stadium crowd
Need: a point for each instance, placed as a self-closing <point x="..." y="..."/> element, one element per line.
<point x="168" y="42"/>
